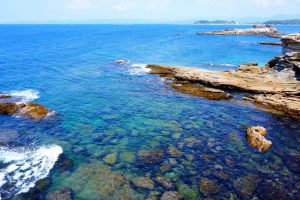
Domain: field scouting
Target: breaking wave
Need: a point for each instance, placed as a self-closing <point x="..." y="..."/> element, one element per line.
<point x="21" y="168"/>
<point x="25" y="96"/>
<point x="139" y="69"/>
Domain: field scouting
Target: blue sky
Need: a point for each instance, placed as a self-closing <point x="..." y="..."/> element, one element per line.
<point x="148" y="10"/>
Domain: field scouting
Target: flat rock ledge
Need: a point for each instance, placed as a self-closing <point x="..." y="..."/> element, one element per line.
<point x="260" y="29"/>
<point x="267" y="86"/>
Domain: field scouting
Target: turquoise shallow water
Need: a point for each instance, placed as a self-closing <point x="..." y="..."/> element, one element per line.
<point x="119" y="110"/>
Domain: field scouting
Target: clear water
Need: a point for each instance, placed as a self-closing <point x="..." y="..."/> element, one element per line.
<point x="103" y="108"/>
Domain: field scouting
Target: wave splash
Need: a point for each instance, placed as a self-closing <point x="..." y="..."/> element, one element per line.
<point x="139" y="69"/>
<point x="25" y="96"/>
<point x="21" y="168"/>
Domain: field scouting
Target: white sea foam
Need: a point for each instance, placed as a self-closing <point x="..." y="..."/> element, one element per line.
<point x="25" y="96"/>
<point x="24" y="167"/>
<point x="139" y="69"/>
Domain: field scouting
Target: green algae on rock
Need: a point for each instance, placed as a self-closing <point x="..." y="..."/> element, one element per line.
<point x="97" y="181"/>
<point x="110" y="158"/>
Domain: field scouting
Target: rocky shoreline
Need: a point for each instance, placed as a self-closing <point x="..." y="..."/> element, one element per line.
<point x="29" y="109"/>
<point x="261" y="29"/>
<point x="275" y="86"/>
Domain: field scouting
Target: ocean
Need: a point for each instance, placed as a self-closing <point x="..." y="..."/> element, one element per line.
<point x="113" y="123"/>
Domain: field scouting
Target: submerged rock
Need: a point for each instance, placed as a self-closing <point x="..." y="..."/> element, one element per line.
<point x="110" y="158"/>
<point x="292" y="162"/>
<point x="186" y="192"/>
<point x="170" y="196"/>
<point x="100" y="181"/>
<point x="121" y="62"/>
<point x="63" y="194"/>
<point x="260" y="29"/>
<point x="174" y="152"/>
<point x="246" y="185"/>
<point x="256" y="138"/>
<point x="143" y="182"/>
<point x="208" y="187"/>
<point x="151" y="156"/>
<point x="164" y="182"/>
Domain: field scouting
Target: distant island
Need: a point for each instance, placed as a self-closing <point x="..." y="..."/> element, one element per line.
<point x="284" y="22"/>
<point x="218" y="22"/>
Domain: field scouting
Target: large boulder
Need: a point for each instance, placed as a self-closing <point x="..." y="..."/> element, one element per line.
<point x="256" y="138"/>
<point x="31" y="110"/>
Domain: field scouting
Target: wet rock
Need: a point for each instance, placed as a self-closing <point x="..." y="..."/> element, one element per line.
<point x="166" y="183"/>
<point x="260" y="29"/>
<point x="63" y="194"/>
<point x="143" y="182"/>
<point x="9" y="108"/>
<point x="271" y="43"/>
<point x="256" y="138"/>
<point x="110" y="158"/>
<point x="34" y="111"/>
<point x="246" y="185"/>
<point x="121" y="62"/>
<point x="151" y="156"/>
<point x="288" y="104"/>
<point x="292" y="162"/>
<point x="200" y="91"/>
<point x="186" y="192"/>
<point x="208" y="187"/>
<point x="291" y="42"/>
<point x="170" y="196"/>
<point x="174" y="152"/>
<point x="3" y="96"/>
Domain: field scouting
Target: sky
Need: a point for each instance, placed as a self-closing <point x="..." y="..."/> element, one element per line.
<point x="12" y="11"/>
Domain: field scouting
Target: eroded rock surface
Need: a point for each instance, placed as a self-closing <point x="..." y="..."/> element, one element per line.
<point x="260" y="29"/>
<point x="256" y="138"/>
<point x="249" y="77"/>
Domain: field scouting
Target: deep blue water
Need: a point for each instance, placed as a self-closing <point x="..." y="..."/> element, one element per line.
<point x="103" y="108"/>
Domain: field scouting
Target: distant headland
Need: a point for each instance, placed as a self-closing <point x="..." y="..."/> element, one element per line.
<point x="284" y="22"/>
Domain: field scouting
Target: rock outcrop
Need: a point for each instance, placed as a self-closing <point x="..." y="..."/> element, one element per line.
<point x="260" y="29"/>
<point x="275" y="86"/>
<point x="31" y="110"/>
<point x="256" y="138"/>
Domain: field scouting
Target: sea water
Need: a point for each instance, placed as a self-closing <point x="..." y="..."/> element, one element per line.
<point x="107" y="114"/>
